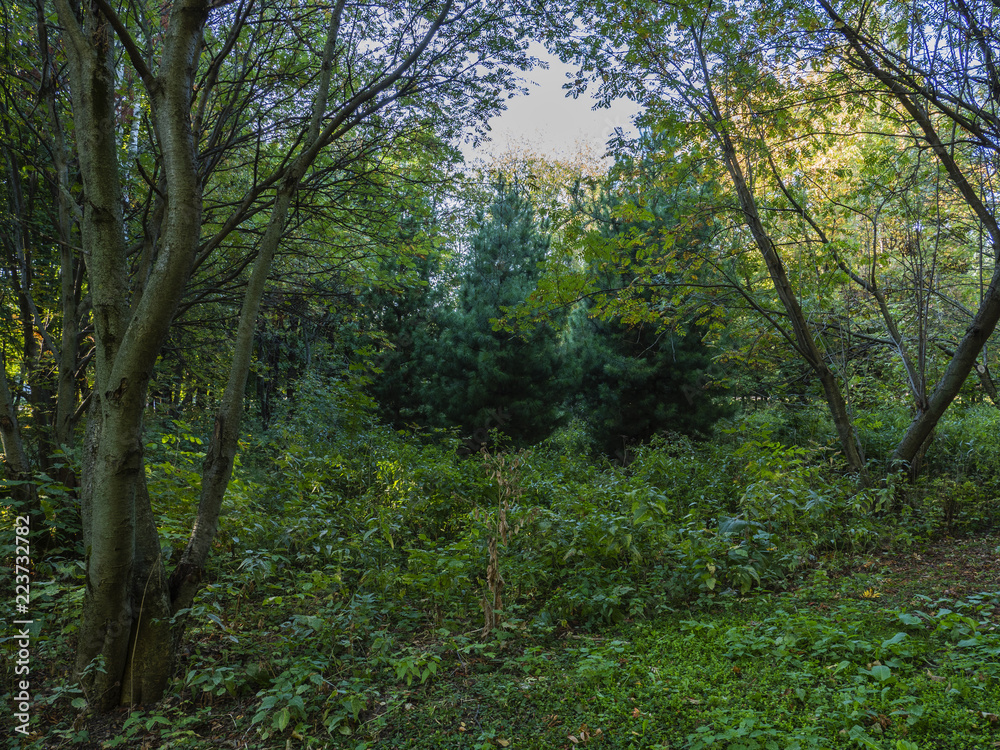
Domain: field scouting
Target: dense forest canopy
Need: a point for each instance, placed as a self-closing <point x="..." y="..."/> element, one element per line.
<point x="245" y="227"/>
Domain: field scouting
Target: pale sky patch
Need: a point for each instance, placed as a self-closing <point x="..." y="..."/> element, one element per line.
<point x="548" y="121"/>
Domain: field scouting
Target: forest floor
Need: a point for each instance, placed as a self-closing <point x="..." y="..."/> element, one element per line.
<point x="880" y="651"/>
<point x="944" y="568"/>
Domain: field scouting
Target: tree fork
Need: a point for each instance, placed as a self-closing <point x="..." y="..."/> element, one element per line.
<point x="124" y="650"/>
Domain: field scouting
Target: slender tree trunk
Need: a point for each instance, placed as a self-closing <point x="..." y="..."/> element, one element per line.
<point x="955" y="375"/>
<point x="720" y="127"/>
<point x="323" y="129"/>
<point x="66" y="412"/>
<point x="32" y="367"/>
<point x="40" y="349"/>
<point x="217" y="470"/>
<point x="805" y="343"/>
<point x="915" y="378"/>
<point x="220" y="457"/>
<point x="918" y="103"/>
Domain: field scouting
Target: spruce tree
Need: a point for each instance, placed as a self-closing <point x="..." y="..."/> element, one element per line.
<point x="403" y="311"/>
<point x="485" y="378"/>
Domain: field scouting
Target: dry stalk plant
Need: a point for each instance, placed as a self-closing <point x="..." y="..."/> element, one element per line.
<point x="505" y="471"/>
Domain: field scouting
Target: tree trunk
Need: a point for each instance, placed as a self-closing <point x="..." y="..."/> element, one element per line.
<point x="220" y="457"/>
<point x="918" y="101"/>
<point x="151" y="648"/>
<point x="13" y="439"/>
<point x="954" y="376"/>
<point x="66" y="412"/>
<point x="124" y="649"/>
<point x="805" y="344"/>
<point x="217" y="470"/>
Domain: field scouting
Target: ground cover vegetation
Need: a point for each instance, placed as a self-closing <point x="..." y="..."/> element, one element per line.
<point x="325" y="439"/>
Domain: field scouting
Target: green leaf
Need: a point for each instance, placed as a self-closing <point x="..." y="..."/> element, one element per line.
<point x="284" y="716"/>
<point x="894" y="640"/>
<point x="216" y="619"/>
<point x="881" y="673"/>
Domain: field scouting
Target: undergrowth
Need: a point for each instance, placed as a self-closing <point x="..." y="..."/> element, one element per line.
<point x="386" y="590"/>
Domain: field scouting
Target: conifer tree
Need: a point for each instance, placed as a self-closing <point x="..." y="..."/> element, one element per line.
<point x="637" y="381"/>
<point x="404" y="311"/>
<point x="484" y="378"/>
<point x="641" y="361"/>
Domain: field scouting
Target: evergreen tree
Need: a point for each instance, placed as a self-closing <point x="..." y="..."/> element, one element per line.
<point x="484" y="378"/>
<point x="637" y="381"/>
<point x="640" y="357"/>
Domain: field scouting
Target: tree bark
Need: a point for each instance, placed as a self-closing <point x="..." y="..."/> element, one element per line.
<point x="990" y="387"/>
<point x="955" y="375"/>
<point x="122" y="654"/>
